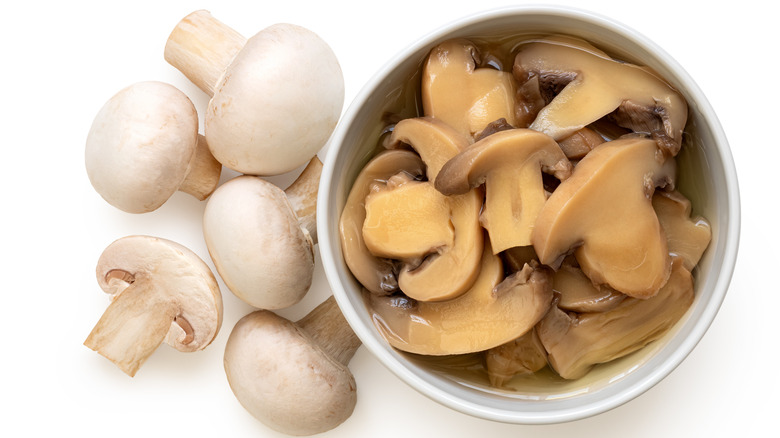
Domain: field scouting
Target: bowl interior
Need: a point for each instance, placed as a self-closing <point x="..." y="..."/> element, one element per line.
<point x="537" y="400"/>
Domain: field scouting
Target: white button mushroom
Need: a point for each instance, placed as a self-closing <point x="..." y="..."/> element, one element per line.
<point x="276" y="97"/>
<point x="294" y="377"/>
<point x="258" y="238"/>
<point x="144" y="145"/>
<point x="161" y="291"/>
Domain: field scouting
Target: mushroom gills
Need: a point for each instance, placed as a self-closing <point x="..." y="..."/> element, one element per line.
<point x="524" y="355"/>
<point x="605" y="212"/>
<point x="577" y="342"/>
<point x="489" y="314"/>
<point x="458" y="92"/>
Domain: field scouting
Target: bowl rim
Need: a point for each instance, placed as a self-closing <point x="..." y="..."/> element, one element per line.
<point x="718" y="292"/>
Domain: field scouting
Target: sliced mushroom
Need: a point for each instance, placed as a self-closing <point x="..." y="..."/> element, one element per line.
<point x="294" y="377"/>
<point x="464" y="96"/>
<point x="260" y="247"/>
<point x="275" y="97"/>
<point x="580" y="143"/>
<point x="510" y="164"/>
<point x="575" y="343"/>
<point x="161" y="291"/>
<point x="434" y="140"/>
<point x="407" y="222"/>
<point x="144" y="145"/>
<point x="524" y="355"/>
<point x="515" y="258"/>
<point x="687" y="236"/>
<point x="576" y="292"/>
<point x="588" y="85"/>
<point x="489" y="314"/>
<point x="604" y="210"/>
<point x="375" y="274"/>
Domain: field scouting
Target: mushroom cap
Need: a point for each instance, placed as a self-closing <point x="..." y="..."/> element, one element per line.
<point x="284" y="379"/>
<point x="160" y="291"/>
<point x="140" y="145"/>
<point x="277" y="102"/>
<point x="259" y="249"/>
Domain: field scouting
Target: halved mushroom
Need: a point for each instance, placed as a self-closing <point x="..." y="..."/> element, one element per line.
<point x="687" y="237"/>
<point x="523" y="355"/>
<point x="161" y="291"/>
<point x="489" y="314"/>
<point x="407" y="222"/>
<point x="453" y="270"/>
<point x="604" y="210"/>
<point x="375" y="274"/>
<point x="464" y="96"/>
<point x="588" y="85"/>
<point x="577" y="293"/>
<point x="575" y="343"/>
<point x="510" y="164"/>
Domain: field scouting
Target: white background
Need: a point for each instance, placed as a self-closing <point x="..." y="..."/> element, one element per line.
<point x="62" y="60"/>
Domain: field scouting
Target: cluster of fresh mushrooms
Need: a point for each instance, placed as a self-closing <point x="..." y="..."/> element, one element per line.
<point x="275" y="99"/>
<point x="529" y="213"/>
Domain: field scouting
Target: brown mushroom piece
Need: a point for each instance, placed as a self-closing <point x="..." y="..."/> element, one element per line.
<point x="458" y="92"/>
<point x="161" y="292"/>
<point x="577" y="342"/>
<point x="576" y="292"/>
<point x="294" y="377"/>
<point x="603" y="212"/>
<point x="524" y="355"/>
<point x="452" y="270"/>
<point x="687" y="237"/>
<point x="375" y="274"/>
<point x="580" y="143"/>
<point x="489" y="314"/>
<point x="587" y="85"/>
<point x="510" y="164"/>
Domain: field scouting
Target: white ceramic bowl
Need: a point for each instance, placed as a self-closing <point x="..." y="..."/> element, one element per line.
<point x="706" y="168"/>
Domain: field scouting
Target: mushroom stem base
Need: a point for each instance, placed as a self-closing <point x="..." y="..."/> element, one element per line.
<point x="327" y="326"/>
<point x="302" y="195"/>
<point x="203" y="173"/>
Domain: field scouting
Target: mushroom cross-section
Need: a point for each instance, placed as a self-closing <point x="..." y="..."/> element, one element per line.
<point x="275" y="98"/>
<point x="604" y="210"/>
<point x="462" y="95"/>
<point x="510" y="164"/>
<point x="374" y="273"/>
<point x="687" y="236"/>
<point x="587" y="85"/>
<point x="294" y="376"/>
<point x="144" y="145"/>
<point x="259" y="245"/>
<point x="161" y="291"/>
<point x="489" y="314"/>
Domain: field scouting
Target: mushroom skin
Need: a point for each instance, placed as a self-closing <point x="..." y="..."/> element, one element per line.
<point x="143" y="146"/>
<point x="293" y="377"/>
<point x="510" y="164"/>
<point x="587" y="85"/>
<point x="275" y="98"/>
<point x="261" y="249"/>
<point x="577" y="342"/>
<point x="524" y="355"/>
<point x="462" y="95"/>
<point x="160" y="291"/>
<point x="687" y="237"/>
<point x="603" y="212"/>
<point x="494" y="311"/>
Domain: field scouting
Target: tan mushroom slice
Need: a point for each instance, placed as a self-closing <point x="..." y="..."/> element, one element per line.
<point x="575" y="343"/>
<point x="604" y="210"/>
<point x="687" y="236"/>
<point x="589" y="85"/>
<point x="407" y="222"/>
<point x="524" y="355"/>
<point x="435" y="141"/>
<point x="489" y="314"/>
<point x="580" y="143"/>
<point x="576" y="292"/>
<point x="462" y="95"/>
<point x="161" y="291"/>
<point x="375" y="274"/>
<point x="510" y="164"/>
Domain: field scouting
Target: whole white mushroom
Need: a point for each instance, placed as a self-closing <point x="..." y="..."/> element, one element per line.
<point x="275" y="98"/>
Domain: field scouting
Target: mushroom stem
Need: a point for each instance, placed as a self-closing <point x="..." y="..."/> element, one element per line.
<point x="302" y="194"/>
<point x="327" y="326"/>
<point x="203" y="172"/>
<point x="202" y="47"/>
